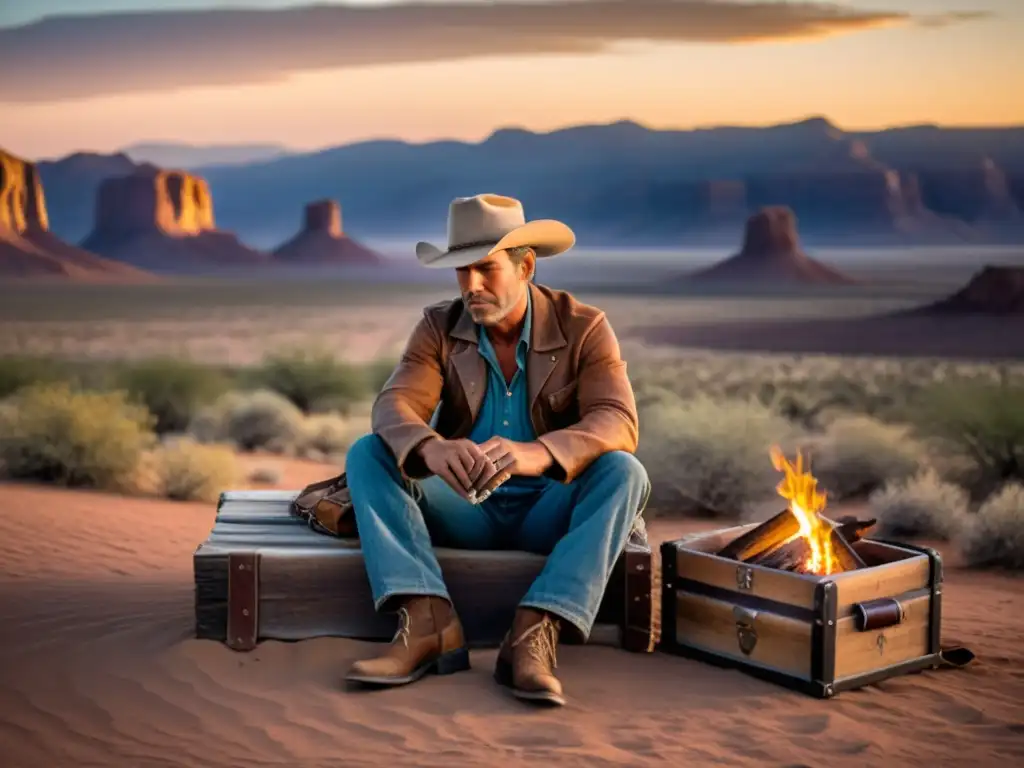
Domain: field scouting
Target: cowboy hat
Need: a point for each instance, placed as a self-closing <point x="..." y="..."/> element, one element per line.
<point x="484" y="224"/>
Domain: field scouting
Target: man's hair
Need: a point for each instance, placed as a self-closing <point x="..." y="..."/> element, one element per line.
<point x="517" y="256"/>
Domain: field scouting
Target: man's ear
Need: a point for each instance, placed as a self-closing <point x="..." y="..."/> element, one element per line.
<point x="530" y="265"/>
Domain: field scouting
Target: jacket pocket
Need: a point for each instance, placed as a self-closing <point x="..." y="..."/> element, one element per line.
<point x="561" y="399"/>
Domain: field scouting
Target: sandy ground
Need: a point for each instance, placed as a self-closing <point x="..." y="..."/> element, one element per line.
<point x="98" y="668"/>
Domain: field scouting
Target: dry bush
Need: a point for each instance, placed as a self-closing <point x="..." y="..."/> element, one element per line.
<point x="711" y="456"/>
<point x="324" y="435"/>
<point x="314" y="380"/>
<point x="173" y="390"/>
<point x="17" y="371"/>
<point x="265" y="475"/>
<point x="923" y="506"/>
<point x="52" y="433"/>
<point x="979" y="419"/>
<point x="190" y="471"/>
<point x="260" y="420"/>
<point x="995" y="535"/>
<point x="859" y="454"/>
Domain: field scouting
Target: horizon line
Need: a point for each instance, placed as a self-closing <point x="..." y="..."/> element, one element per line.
<point x="385" y="138"/>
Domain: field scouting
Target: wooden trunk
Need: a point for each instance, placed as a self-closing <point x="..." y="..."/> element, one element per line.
<point x="817" y="634"/>
<point x="263" y="574"/>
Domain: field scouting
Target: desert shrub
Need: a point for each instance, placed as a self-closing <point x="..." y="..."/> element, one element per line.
<point x="260" y="420"/>
<point x="710" y="456"/>
<point x="922" y="506"/>
<point x="858" y="454"/>
<point x="982" y="420"/>
<point x="265" y="475"/>
<point x="995" y="535"/>
<point x="173" y="390"/>
<point x="17" y="371"/>
<point x="191" y="471"/>
<point x="312" y="380"/>
<point x="52" y="433"/>
<point x="324" y="435"/>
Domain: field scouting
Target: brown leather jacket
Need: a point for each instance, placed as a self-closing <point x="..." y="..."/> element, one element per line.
<point x="581" y="401"/>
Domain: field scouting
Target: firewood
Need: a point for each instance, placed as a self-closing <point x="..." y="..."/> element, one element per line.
<point x="852" y="529"/>
<point x="788" y="557"/>
<point x="766" y="537"/>
<point x="848" y="558"/>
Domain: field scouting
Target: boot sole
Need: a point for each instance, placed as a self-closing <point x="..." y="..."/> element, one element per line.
<point x="445" y="664"/>
<point x="503" y="675"/>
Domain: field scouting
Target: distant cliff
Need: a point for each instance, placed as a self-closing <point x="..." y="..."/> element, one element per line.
<point x="28" y="249"/>
<point x="771" y="255"/>
<point x="72" y="184"/>
<point x="626" y="184"/>
<point x="164" y="221"/>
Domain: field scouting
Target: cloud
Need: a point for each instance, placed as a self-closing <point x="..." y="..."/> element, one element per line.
<point x="83" y="56"/>
<point x="940" y="20"/>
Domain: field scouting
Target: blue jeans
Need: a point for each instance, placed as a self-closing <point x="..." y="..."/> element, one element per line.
<point x="581" y="527"/>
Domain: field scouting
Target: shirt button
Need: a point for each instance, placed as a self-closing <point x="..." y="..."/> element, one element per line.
<point x="508" y="394"/>
<point x="505" y="423"/>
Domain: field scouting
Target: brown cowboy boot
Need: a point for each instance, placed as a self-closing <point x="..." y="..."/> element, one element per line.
<point x="527" y="658"/>
<point x="429" y="639"/>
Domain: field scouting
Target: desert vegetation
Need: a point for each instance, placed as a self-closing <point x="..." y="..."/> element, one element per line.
<point x="934" y="448"/>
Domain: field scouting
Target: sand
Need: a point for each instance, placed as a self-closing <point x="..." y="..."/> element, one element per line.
<point x="98" y="667"/>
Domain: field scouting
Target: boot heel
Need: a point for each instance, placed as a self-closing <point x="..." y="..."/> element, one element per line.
<point x="452" y="662"/>
<point x="503" y="672"/>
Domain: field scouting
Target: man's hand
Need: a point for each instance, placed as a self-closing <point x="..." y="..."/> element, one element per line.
<point x="465" y="466"/>
<point x="511" y="458"/>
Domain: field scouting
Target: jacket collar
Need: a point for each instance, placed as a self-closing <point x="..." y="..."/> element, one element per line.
<point x="546" y="333"/>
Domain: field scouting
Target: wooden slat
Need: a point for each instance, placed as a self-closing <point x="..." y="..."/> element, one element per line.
<point x="783" y="644"/>
<point x="246" y="518"/>
<point x="859" y="652"/>
<point x="295" y="603"/>
<point x="888" y="580"/>
<point x="782" y="586"/>
<point x="268" y="495"/>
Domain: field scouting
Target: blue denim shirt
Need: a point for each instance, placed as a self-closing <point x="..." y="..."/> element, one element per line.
<point x="505" y="411"/>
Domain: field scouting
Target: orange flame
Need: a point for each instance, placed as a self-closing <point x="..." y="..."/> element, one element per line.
<point x="800" y="489"/>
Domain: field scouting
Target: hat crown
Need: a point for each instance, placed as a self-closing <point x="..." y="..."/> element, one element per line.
<point x="482" y="219"/>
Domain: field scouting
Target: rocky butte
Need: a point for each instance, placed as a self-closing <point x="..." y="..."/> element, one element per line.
<point x="28" y="249"/>
<point x="771" y="255"/>
<point x="323" y="242"/>
<point x="163" y="220"/>
<point x="992" y="291"/>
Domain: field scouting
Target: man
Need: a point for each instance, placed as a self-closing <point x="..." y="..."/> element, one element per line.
<point x="530" y="447"/>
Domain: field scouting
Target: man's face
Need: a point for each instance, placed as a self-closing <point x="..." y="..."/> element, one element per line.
<point x="492" y="287"/>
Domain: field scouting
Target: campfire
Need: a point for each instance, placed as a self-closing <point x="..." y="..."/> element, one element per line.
<point x="800" y="538"/>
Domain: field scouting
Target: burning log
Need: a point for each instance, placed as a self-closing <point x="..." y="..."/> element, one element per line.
<point x="765" y="538"/>
<point x="847" y="556"/>
<point x="798" y="556"/>
<point x="853" y="530"/>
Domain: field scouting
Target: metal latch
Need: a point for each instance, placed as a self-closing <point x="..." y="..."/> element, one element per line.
<point x="746" y="632"/>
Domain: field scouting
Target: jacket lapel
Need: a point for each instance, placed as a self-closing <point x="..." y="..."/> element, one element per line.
<point x="469" y="365"/>
<point x="546" y="344"/>
<point x="546" y="339"/>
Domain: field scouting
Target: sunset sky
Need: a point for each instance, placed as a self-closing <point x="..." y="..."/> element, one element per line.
<point x="123" y="71"/>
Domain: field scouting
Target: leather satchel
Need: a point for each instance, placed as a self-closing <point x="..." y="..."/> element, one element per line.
<point x="326" y="506"/>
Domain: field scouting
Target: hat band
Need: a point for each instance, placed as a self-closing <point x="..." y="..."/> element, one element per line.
<point x="466" y="246"/>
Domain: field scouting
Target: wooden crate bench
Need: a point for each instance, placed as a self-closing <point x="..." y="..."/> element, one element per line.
<point x="263" y="574"/>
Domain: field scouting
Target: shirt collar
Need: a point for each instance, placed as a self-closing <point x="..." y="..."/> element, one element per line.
<point x="523" y="347"/>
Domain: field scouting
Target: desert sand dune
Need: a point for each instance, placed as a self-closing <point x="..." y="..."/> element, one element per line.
<point x="98" y="667"/>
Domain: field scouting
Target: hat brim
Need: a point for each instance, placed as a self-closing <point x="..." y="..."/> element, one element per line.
<point x="547" y="237"/>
